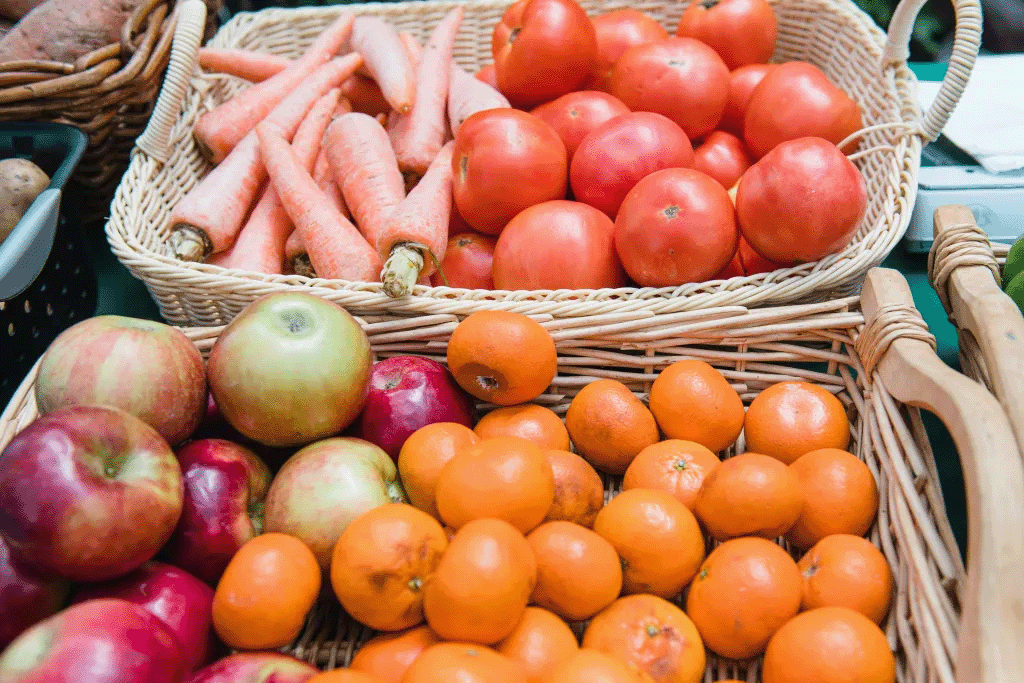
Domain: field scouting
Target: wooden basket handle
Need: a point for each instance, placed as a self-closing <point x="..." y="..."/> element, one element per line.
<point x="988" y="648"/>
<point x="966" y="42"/>
<point x="188" y="36"/>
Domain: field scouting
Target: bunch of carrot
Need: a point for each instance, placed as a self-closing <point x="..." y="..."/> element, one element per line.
<point x="337" y="163"/>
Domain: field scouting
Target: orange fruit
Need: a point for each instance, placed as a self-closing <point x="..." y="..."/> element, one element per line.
<point x="579" y="491"/>
<point x="540" y="643"/>
<point x="746" y="589"/>
<point x="609" y="425"/>
<point x="465" y="663"/>
<point x="344" y="676"/>
<point x="840" y="496"/>
<point x="527" y="421"/>
<point x="749" y="495"/>
<point x="675" y="466"/>
<point x="842" y="570"/>
<point x="501" y="357"/>
<point x="382" y="561"/>
<point x="652" y="634"/>
<point x="592" y="666"/>
<point x="565" y="552"/>
<point x="791" y="418"/>
<point x="265" y="592"/>
<point x="424" y="453"/>
<point x="693" y="401"/>
<point x="657" y="538"/>
<point x="829" y="644"/>
<point x="389" y="655"/>
<point x="505" y="477"/>
<point x="482" y="584"/>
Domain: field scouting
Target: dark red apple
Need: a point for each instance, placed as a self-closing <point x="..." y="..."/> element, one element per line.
<point x="99" y="641"/>
<point x="225" y="488"/>
<point x="255" y="667"/>
<point x="409" y="392"/>
<point x="180" y="600"/>
<point x="26" y="597"/>
<point x="88" y="493"/>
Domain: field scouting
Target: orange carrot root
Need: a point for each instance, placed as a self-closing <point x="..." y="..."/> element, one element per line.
<point x="468" y="95"/>
<point x="386" y="61"/>
<point x="248" y="64"/>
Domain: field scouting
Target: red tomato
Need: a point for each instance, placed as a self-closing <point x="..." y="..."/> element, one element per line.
<point x="740" y="31"/>
<point x="573" y="116"/>
<point x="797" y="100"/>
<point x="504" y="161"/>
<point x="617" y="31"/>
<point x="746" y="261"/>
<point x="676" y="226"/>
<point x="542" y="49"/>
<point x="733" y="268"/>
<point x="723" y="157"/>
<point x="682" y="78"/>
<point x="618" y="153"/>
<point x="467" y="262"/>
<point x="801" y="202"/>
<point x="742" y="82"/>
<point x="457" y="225"/>
<point x="487" y="75"/>
<point x="558" y="245"/>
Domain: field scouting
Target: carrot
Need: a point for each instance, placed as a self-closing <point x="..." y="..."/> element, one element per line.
<point x="386" y="61"/>
<point x="335" y="247"/>
<point x="415" y="52"/>
<point x="415" y="236"/>
<point x="418" y="135"/>
<point x="412" y="48"/>
<point x="365" y="95"/>
<point x="248" y="64"/>
<point x="364" y="166"/>
<point x="208" y="218"/>
<point x="468" y="95"/>
<point x="487" y="75"/>
<point x="325" y="181"/>
<point x="220" y="129"/>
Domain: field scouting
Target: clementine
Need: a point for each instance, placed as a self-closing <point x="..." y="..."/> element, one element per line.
<point x="565" y="552"/>
<point x="465" y="663"/>
<point x="609" y="425"/>
<point x="842" y="570"/>
<point x="790" y="418"/>
<point x="840" y="496"/>
<point x="579" y="491"/>
<point x="693" y="401"/>
<point x="424" y="453"/>
<point x="675" y="466"/>
<point x="344" y="676"/>
<point x="540" y="643"/>
<point x="389" y="655"/>
<point x="593" y="666"/>
<point x="527" y="421"/>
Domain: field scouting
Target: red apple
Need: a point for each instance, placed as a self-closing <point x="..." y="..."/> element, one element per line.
<point x="181" y="601"/>
<point x="225" y="489"/>
<point x="326" y="485"/>
<point x="146" y="368"/>
<point x="255" y="667"/>
<point x="26" y="597"/>
<point x="99" y="641"/>
<point x="406" y="393"/>
<point x="88" y="493"/>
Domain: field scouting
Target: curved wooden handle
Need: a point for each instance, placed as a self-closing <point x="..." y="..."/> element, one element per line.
<point x="992" y="622"/>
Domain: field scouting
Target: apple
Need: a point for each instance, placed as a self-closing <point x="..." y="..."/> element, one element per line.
<point x="88" y="493"/>
<point x="225" y="489"/>
<point x="255" y="667"/>
<point x="291" y="368"/>
<point x="409" y="392"/>
<point x="326" y="485"/>
<point x="146" y="368"/>
<point x="26" y="597"/>
<point x="98" y="641"/>
<point x="178" y="599"/>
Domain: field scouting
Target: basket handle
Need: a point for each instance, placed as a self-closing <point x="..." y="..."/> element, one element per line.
<point x="988" y="648"/>
<point x="966" y="42"/>
<point x="188" y="36"/>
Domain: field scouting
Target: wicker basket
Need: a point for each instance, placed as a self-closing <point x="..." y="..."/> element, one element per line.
<point x="834" y="34"/>
<point x="947" y="623"/>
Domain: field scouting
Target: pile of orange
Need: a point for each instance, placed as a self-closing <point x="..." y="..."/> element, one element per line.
<point x="509" y="544"/>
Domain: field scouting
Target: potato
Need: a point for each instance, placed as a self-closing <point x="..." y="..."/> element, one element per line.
<point x="21" y="181"/>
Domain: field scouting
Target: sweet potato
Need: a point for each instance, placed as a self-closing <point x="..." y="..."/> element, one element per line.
<point x="64" y="30"/>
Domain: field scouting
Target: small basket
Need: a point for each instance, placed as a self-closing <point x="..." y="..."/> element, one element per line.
<point x="947" y="624"/>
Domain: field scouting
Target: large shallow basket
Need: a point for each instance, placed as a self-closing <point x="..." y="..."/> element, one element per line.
<point x="947" y="624"/>
<point x="833" y="34"/>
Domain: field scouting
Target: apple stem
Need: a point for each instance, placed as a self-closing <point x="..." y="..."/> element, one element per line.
<point x="402" y="269"/>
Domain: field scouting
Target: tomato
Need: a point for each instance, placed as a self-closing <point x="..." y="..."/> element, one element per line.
<point x="733" y="268"/>
<point x="618" y="153"/>
<point x="487" y="75"/>
<point x="676" y="226"/>
<point x="742" y="82"/>
<point x="558" y="245"/>
<point x="467" y="262"/>
<point x="542" y="49"/>
<point x="617" y="31"/>
<point x="682" y="78"/>
<point x="457" y="225"/>
<point x="573" y="116"/>
<point x="801" y="202"/>
<point x="740" y="31"/>
<point x="504" y="161"/>
<point x="722" y="156"/>
<point x="746" y="261"/>
<point x="797" y="100"/>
